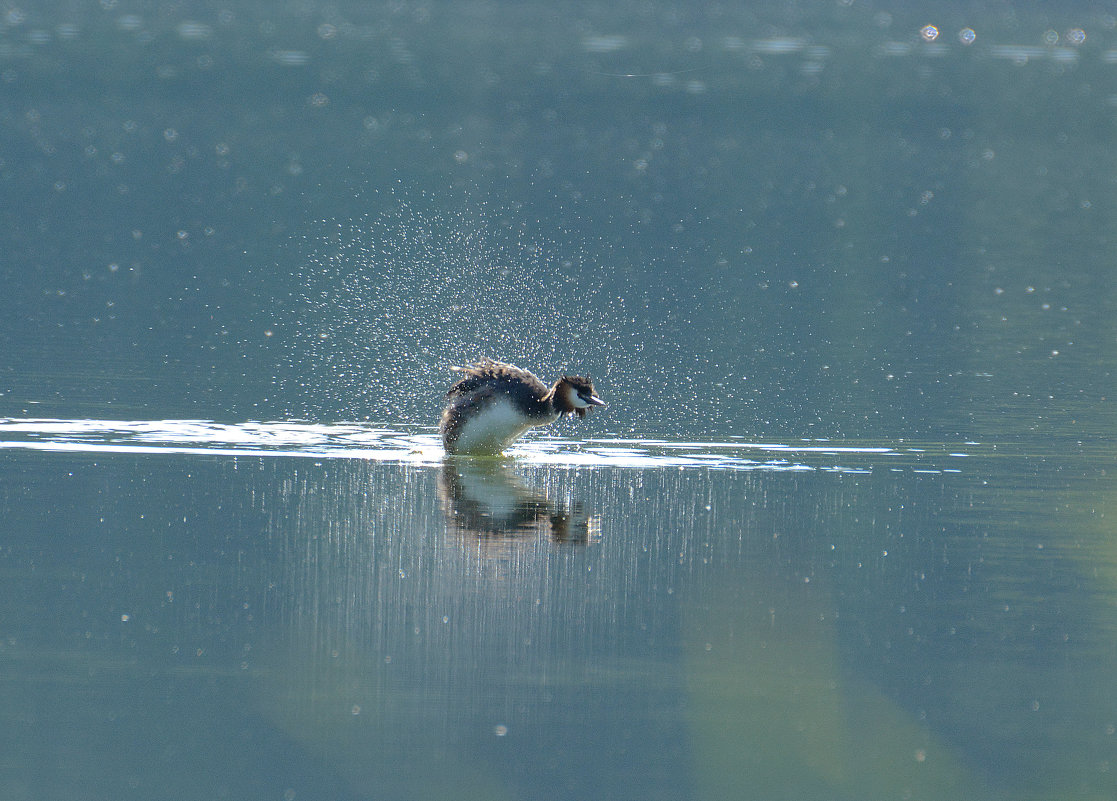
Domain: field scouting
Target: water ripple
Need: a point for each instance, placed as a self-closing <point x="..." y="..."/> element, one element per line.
<point x="420" y="445"/>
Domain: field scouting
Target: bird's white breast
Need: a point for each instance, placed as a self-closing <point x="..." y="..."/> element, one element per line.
<point x="493" y="427"/>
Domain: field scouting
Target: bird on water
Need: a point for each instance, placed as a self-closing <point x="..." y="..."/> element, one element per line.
<point x="493" y="403"/>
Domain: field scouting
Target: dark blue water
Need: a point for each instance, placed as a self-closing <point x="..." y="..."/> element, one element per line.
<point x="842" y="278"/>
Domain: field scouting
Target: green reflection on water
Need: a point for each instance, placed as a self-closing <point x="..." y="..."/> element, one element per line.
<point x="775" y="715"/>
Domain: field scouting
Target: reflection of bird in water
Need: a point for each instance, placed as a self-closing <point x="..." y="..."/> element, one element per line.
<point x="494" y="403"/>
<point x="487" y="501"/>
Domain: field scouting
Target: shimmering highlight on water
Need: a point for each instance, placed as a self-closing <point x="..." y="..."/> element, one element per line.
<point x="420" y="445"/>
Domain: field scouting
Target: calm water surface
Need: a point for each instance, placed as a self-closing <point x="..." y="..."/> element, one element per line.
<point x="259" y="611"/>
<point x="843" y="272"/>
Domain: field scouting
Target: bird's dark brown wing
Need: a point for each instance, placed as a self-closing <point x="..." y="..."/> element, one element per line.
<point x="488" y="372"/>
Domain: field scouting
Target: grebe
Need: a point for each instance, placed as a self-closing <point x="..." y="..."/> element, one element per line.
<point x="494" y="403"/>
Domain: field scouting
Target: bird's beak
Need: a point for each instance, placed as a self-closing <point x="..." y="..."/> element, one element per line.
<point x="593" y="400"/>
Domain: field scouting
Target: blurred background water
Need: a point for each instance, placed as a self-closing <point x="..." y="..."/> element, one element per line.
<point x="841" y="269"/>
